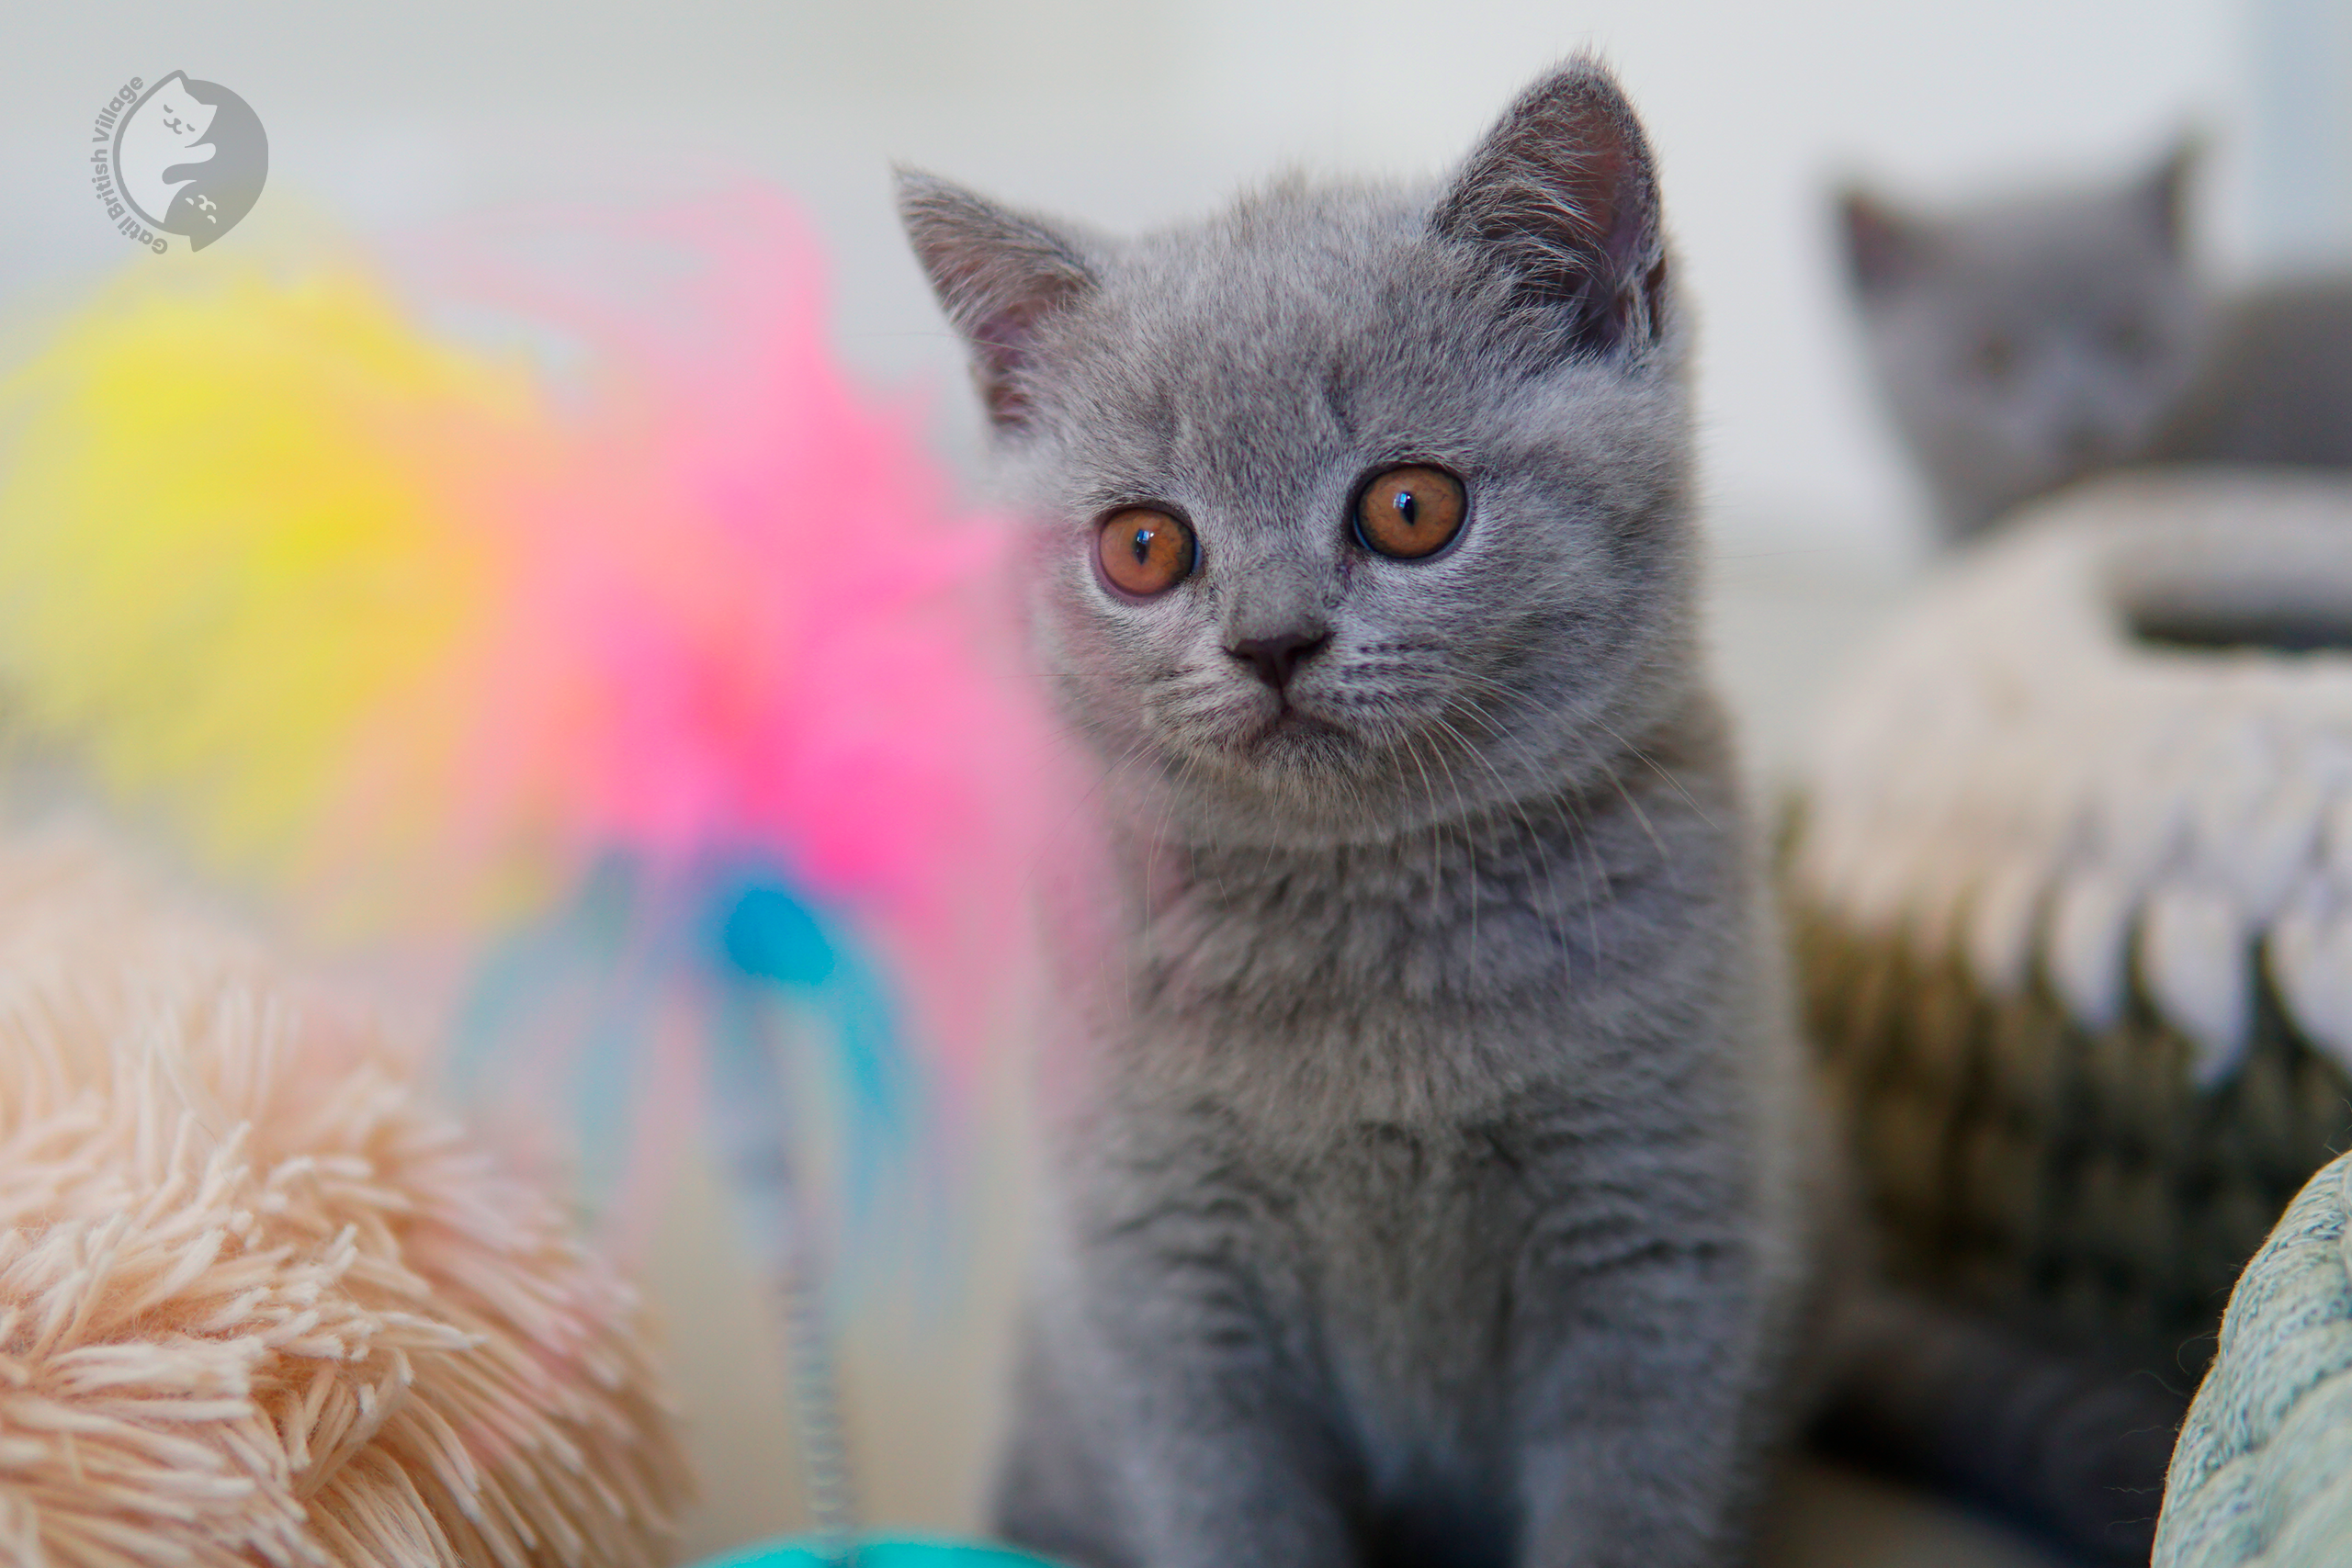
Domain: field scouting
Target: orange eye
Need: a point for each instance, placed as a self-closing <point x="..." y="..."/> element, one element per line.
<point x="1145" y="551"/>
<point x="1410" y="512"/>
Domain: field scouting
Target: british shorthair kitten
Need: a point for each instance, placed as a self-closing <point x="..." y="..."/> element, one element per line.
<point x="1437" y="1191"/>
<point x="2033" y="339"/>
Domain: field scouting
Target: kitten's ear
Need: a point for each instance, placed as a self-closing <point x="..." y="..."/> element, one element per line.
<point x="997" y="275"/>
<point x="1883" y="246"/>
<point x="2163" y="193"/>
<point x="1563" y="192"/>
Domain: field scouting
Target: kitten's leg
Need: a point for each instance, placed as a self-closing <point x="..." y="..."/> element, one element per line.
<point x="1053" y="1490"/>
<point x="1647" y="1399"/>
<point x="1211" y="1437"/>
<point x="1217" y="1479"/>
<point x="1222" y="1457"/>
<point x="1095" y="1474"/>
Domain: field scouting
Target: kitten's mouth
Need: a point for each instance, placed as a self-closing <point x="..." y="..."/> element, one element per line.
<point x="1289" y="724"/>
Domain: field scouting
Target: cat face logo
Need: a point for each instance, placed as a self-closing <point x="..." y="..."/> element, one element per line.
<point x="187" y="158"/>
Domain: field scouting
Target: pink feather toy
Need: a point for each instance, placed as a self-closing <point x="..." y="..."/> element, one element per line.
<point x="663" y="665"/>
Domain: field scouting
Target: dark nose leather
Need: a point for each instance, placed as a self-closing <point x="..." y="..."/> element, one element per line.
<point x="1275" y="657"/>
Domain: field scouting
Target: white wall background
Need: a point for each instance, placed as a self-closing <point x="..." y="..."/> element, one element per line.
<point x="1136" y="113"/>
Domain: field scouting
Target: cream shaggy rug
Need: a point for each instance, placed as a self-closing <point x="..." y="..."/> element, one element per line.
<point x="260" y="1303"/>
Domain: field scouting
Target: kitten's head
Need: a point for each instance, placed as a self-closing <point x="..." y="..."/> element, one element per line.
<point x="2026" y="340"/>
<point x="1355" y="510"/>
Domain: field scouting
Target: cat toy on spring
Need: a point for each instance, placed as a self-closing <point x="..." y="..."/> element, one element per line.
<point x="667" y="680"/>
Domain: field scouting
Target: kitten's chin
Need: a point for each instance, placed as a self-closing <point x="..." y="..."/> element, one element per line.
<point x="1300" y="780"/>
<point x="1296" y="735"/>
<point x="1296" y="757"/>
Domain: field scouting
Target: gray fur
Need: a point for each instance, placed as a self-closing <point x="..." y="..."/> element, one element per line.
<point x="2031" y="340"/>
<point x="1436" y="1192"/>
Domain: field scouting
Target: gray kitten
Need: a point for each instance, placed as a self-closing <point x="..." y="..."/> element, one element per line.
<point x="1437" y="1191"/>
<point x="2029" y="340"/>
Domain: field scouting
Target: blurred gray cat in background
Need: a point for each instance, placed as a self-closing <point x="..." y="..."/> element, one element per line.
<point x="2029" y="340"/>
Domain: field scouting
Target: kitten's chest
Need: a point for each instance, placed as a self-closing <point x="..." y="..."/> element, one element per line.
<point x="1412" y="1239"/>
<point x="1333" y="936"/>
<point x="1425" y="982"/>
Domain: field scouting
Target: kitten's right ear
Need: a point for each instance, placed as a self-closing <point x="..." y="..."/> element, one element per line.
<point x="1565" y="193"/>
<point x="1882" y="246"/>
<point x="997" y="275"/>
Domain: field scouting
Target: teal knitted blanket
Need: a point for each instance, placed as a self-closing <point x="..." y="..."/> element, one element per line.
<point x="2263" y="1474"/>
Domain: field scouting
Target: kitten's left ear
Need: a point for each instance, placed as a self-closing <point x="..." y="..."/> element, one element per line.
<point x="1564" y="191"/>
<point x="1884" y="247"/>
<point x="2163" y="194"/>
<point x="998" y="275"/>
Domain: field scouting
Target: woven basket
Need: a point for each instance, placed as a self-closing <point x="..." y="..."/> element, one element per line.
<point x="2071" y="880"/>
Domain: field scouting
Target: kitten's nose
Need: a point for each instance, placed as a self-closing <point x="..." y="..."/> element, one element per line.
<point x="1276" y="657"/>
